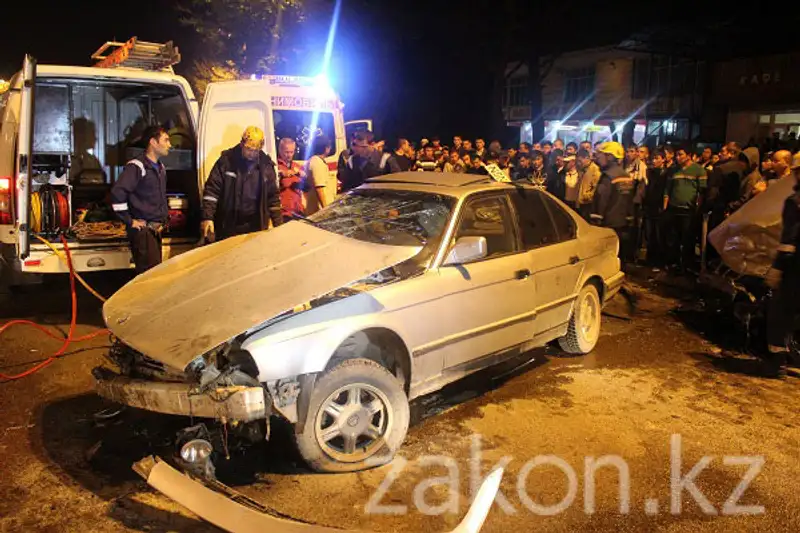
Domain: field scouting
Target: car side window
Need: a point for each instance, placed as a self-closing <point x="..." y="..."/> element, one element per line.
<point x="489" y="217"/>
<point x="535" y="223"/>
<point x="565" y="224"/>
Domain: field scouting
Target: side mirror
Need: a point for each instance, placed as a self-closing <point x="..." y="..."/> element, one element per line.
<point x="465" y="250"/>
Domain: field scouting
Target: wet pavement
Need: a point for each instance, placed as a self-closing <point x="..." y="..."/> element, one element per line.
<point x="664" y="392"/>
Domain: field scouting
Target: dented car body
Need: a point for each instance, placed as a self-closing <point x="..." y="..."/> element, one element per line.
<point x="401" y="286"/>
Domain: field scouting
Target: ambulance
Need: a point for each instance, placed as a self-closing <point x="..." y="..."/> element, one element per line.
<point x="66" y="133"/>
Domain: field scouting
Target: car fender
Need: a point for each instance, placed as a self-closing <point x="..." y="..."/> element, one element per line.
<point x="305" y="343"/>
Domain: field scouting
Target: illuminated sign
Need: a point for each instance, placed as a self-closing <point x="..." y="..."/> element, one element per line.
<point x="303" y="102"/>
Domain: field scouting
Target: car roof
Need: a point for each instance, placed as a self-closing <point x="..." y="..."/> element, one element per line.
<point x="443" y="179"/>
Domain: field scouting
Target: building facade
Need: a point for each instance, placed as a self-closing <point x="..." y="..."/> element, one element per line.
<point x="759" y="96"/>
<point x="603" y="93"/>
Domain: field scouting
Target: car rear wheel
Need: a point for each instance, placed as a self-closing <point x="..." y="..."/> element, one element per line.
<point x="584" y="324"/>
<point x="358" y="416"/>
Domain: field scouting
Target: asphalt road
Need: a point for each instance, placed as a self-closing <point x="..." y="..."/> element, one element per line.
<point x="664" y="393"/>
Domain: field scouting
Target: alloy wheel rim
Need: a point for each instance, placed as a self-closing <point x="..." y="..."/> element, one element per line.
<point x="588" y="318"/>
<point x="353" y="422"/>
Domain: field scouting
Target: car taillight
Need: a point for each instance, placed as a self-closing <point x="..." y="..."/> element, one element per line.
<point x="6" y="190"/>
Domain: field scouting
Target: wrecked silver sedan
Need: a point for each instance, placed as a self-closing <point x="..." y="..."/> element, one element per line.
<point x="335" y="322"/>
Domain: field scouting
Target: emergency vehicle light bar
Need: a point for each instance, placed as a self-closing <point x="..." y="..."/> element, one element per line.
<point x="138" y="55"/>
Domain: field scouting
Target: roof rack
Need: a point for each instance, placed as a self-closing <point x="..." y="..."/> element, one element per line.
<point x="137" y="54"/>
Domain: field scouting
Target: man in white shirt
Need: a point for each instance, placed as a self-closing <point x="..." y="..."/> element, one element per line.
<point x="321" y="183"/>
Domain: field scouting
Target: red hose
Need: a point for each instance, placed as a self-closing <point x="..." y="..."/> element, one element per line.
<point x="68" y="340"/>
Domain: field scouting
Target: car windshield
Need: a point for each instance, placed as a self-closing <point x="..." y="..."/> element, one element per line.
<point x="400" y="218"/>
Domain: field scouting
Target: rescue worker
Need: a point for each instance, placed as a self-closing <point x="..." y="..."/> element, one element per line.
<point x="613" y="205"/>
<point x="139" y="198"/>
<point x="784" y="279"/>
<point x="615" y="197"/>
<point x="241" y="193"/>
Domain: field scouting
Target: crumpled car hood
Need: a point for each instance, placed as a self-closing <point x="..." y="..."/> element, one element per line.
<point x="748" y="240"/>
<point x="196" y="301"/>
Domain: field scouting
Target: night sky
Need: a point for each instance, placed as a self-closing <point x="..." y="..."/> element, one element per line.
<point x="420" y="68"/>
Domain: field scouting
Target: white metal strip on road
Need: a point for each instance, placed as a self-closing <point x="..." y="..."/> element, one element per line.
<point x="223" y="512"/>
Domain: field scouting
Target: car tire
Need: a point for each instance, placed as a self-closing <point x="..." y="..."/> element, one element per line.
<point x="357" y="418"/>
<point x="584" y="324"/>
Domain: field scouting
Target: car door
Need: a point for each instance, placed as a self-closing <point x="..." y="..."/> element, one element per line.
<point x="24" y="154"/>
<point x="485" y="305"/>
<point x="548" y="234"/>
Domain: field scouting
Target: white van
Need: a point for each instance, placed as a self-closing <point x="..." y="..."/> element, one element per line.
<point x="66" y="133"/>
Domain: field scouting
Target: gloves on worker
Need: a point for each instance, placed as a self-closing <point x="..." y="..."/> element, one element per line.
<point x="773" y="278"/>
<point x="207" y="231"/>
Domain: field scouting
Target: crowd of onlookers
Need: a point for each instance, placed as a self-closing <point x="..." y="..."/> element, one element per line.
<point x="656" y="200"/>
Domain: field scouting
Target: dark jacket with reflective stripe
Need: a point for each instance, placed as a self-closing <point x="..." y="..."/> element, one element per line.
<point x="219" y="193"/>
<point x="141" y="192"/>
<point x="615" y="197"/>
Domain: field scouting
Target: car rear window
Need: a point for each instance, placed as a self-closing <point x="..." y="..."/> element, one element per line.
<point x="535" y="224"/>
<point x="565" y="224"/>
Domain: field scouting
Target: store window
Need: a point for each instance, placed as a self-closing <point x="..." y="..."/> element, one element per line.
<point x="579" y="84"/>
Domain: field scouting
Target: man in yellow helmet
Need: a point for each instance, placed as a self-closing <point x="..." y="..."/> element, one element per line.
<point x="241" y="193"/>
<point x="615" y="196"/>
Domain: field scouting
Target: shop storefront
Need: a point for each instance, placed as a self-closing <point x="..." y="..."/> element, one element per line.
<point x="653" y="132"/>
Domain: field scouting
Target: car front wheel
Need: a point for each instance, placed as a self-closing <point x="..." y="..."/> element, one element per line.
<point x="358" y="416"/>
<point x="584" y="324"/>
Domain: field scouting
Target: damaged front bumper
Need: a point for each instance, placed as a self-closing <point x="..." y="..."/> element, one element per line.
<point x="234" y="512"/>
<point x="237" y="402"/>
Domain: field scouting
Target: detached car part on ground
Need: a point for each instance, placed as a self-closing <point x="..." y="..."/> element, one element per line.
<point x="335" y="323"/>
<point x="234" y="512"/>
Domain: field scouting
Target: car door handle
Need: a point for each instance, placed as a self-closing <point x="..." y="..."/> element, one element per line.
<point x="574" y="259"/>
<point x="522" y="274"/>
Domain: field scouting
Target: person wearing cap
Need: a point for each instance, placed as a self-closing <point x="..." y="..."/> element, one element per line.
<point x="571" y="182"/>
<point x="241" y="193"/>
<point x="784" y="279"/>
<point x="615" y="197"/>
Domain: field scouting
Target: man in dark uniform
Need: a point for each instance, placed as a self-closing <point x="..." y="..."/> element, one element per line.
<point x="241" y="193"/>
<point x="784" y="279"/>
<point x="139" y="198"/>
<point x="613" y="205"/>
<point x="615" y="196"/>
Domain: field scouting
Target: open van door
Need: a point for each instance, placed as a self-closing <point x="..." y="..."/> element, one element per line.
<point x="24" y="153"/>
<point x="352" y="126"/>
<point x="228" y="108"/>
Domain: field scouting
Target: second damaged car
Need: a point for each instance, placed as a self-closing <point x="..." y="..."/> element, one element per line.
<point x="337" y="321"/>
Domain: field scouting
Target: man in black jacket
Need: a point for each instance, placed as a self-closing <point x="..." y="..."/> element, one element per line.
<point x="363" y="163"/>
<point x="784" y="279"/>
<point x="139" y="198"/>
<point x="241" y="193"/>
<point x="653" y="207"/>
<point x="615" y="197"/>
